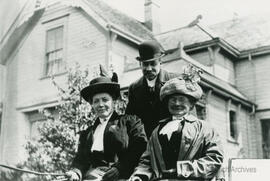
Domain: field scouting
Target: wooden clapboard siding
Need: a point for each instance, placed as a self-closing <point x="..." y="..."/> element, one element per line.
<point x="27" y="86"/>
<point x="253" y="79"/>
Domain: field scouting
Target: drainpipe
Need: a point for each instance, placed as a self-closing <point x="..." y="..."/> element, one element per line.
<point x="253" y="112"/>
<point x="253" y="79"/>
<point x="111" y="39"/>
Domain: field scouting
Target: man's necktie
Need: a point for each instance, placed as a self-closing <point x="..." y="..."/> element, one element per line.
<point x="151" y="89"/>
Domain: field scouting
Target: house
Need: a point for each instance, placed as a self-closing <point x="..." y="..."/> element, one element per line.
<point x="45" y="42"/>
<point x="59" y="33"/>
<point x="237" y="52"/>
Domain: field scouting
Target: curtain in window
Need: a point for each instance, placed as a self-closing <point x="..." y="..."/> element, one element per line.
<point x="54" y="51"/>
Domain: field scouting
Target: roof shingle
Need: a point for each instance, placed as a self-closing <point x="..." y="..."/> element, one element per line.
<point x="120" y="20"/>
<point x="186" y="35"/>
<point x="245" y="33"/>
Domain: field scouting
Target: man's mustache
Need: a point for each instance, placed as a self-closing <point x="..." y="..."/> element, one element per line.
<point x="149" y="72"/>
<point x="179" y="107"/>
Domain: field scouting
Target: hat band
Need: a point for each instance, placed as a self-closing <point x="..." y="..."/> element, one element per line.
<point x="156" y="56"/>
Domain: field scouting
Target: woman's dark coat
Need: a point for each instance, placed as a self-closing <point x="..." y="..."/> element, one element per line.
<point x="124" y="142"/>
<point x="200" y="154"/>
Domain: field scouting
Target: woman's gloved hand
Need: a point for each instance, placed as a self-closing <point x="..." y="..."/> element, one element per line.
<point x="120" y="136"/>
<point x="135" y="178"/>
<point x="111" y="175"/>
<point x="169" y="173"/>
<point x="138" y="177"/>
<point x="73" y="176"/>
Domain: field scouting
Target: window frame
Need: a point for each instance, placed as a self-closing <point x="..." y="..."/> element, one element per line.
<point x="36" y="117"/>
<point x="236" y="109"/>
<point x="233" y="124"/>
<point x="203" y="106"/>
<point x="203" y="102"/>
<point x="49" y="25"/>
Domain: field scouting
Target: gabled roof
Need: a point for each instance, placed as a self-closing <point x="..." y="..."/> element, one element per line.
<point x="120" y="20"/>
<point x="246" y="33"/>
<point x="239" y="37"/>
<point x="19" y="29"/>
<point x="186" y="35"/>
<point x="108" y="17"/>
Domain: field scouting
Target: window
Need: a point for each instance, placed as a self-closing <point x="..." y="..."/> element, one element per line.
<point x="200" y="108"/>
<point x="117" y="63"/>
<point x="200" y="112"/>
<point x="37" y="118"/>
<point x="233" y="125"/>
<point x="54" y="51"/>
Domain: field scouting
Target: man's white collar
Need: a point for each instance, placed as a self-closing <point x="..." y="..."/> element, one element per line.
<point x="151" y="83"/>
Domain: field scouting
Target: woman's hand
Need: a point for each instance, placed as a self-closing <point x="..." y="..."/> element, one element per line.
<point x="73" y="176"/>
<point x="135" y="178"/>
<point x="111" y="175"/>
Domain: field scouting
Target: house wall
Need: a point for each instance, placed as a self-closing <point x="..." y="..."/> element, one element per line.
<point x="217" y="110"/>
<point x="2" y="80"/>
<point x="224" y="68"/>
<point x="219" y="65"/>
<point x="28" y="89"/>
<point x="125" y="53"/>
<point x="249" y="134"/>
<point x="253" y="77"/>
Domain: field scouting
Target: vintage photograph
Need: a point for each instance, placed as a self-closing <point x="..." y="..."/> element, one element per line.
<point x="134" y="90"/>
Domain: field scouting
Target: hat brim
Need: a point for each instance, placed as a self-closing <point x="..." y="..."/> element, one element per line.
<point x="149" y="60"/>
<point x="88" y="92"/>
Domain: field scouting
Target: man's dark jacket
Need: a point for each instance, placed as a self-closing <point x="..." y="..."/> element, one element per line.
<point x="124" y="142"/>
<point x="147" y="105"/>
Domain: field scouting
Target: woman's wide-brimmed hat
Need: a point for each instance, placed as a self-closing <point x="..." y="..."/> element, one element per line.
<point x="150" y="50"/>
<point x="185" y="84"/>
<point x="180" y="86"/>
<point x="102" y="84"/>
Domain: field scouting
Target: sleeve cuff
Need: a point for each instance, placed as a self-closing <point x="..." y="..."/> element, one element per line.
<point x="78" y="172"/>
<point x="143" y="177"/>
<point x="183" y="168"/>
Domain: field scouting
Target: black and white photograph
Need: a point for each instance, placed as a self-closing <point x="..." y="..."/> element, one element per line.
<point x="134" y="90"/>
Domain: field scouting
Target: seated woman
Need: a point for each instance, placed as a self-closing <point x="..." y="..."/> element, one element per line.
<point x="182" y="147"/>
<point x="114" y="143"/>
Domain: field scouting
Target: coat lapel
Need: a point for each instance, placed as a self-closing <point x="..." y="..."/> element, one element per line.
<point x="189" y="137"/>
<point x="90" y="134"/>
<point x="106" y="139"/>
<point x="162" y="78"/>
<point x="157" y="149"/>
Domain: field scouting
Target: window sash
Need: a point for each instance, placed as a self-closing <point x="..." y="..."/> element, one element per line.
<point x="54" y="51"/>
<point x="233" y="124"/>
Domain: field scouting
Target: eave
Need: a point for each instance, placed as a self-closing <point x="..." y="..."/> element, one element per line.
<point x="215" y="41"/>
<point x="228" y="48"/>
<point x="14" y="38"/>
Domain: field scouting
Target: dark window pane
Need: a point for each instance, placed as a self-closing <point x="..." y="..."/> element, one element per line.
<point x="233" y="125"/>
<point x="201" y="112"/>
<point x="54" y="51"/>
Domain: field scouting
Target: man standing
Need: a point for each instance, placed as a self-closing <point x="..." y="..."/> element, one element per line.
<point x="144" y="93"/>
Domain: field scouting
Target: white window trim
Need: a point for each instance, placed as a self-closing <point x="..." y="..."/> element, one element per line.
<point x="52" y="24"/>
